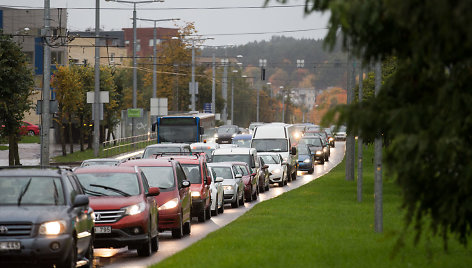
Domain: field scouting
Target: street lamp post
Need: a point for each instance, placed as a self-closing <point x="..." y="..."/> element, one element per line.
<point x="262" y="64"/>
<point x="283" y="103"/>
<point x="135" y="70"/>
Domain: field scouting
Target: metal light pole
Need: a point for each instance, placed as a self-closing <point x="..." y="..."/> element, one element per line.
<point x="262" y="64"/>
<point x="225" y="89"/>
<point x="45" y="117"/>
<point x="283" y="106"/>
<point x="213" y="87"/>
<point x="359" y="141"/>
<point x="232" y="96"/>
<point x="96" y="100"/>
<point x="135" y="70"/>
<point x="154" y="57"/>
<point x="378" y="187"/>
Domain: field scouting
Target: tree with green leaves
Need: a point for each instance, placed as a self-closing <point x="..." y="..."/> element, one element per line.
<point x="16" y="86"/>
<point x="424" y="108"/>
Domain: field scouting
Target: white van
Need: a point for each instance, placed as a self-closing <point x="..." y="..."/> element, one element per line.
<point x="278" y="137"/>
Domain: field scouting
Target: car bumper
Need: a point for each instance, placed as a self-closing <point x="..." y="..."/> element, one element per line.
<point x="168" y="221"/>
<point x="37" y="250"/>
<point x="305" y="166"/>
<point x="275" y="178"/>
<point x="119" y="238"/>
<point x="229" y="196"/>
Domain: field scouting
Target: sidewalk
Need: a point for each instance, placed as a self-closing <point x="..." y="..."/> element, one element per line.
<point x="30" y="153"/>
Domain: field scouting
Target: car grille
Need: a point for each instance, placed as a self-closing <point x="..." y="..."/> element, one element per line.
<point x="108" y="216"/>
<point x="15" y="229"/>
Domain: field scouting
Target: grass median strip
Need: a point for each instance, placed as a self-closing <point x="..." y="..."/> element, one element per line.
<point x="320" y="225"/>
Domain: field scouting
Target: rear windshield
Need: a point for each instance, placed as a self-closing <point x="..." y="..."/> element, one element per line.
<point x="242" y="143"/>
<point x="31" y="191"/>
<point x="156" y="150"/>
<point x="232" y="158"/>
<point x="224" y="172"/>
<point x="110" y="184"/>
<point x="162" y="177"/>
<point x="193" y="173"/>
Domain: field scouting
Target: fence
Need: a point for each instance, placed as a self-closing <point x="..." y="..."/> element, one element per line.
<point x="124" y="145"/>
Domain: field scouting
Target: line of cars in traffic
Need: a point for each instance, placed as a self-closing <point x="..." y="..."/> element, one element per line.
<point x="60" y="214"/>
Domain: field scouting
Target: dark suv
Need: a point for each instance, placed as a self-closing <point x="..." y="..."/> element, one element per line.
<point x="45" y="218"/>
<point x="125" y="208"/>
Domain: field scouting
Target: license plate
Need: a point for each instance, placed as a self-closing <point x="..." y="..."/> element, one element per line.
<point x="10" y="245"/>
<point x="102" y="229"/>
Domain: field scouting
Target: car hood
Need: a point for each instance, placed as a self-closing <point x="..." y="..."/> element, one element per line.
<point x="34" y="214"/>
<point x="113" y="202"/>
<point x="315" y="148"/>
<point x="274" y="167"/>
<point x="164" y="197"/>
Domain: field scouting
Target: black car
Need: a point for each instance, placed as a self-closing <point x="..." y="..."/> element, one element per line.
<point x="226" y="133"/>
<point x="317" y="147"/>
<point x="45" y="218"/>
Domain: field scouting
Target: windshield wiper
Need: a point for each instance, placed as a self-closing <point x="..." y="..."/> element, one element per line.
<point x="24" y="191"/>
<point x="111" y="189"/>
<point x="94" y="193"/>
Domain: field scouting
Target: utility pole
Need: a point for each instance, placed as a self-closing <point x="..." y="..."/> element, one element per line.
<point x="283" y="106"/>
<point x="225" y="89"/>
<point x="213" y="87"/>
<point x="193" y="77"/>
<point x="45" y="116"/>
<point x="262" y="64"/>
<point x="378" y="195"/>
<point x="359" y="140"/>
<point x="96" y="99"/>
<point x="350" y="141"/>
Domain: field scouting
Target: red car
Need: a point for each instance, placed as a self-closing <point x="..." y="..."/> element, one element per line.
<point x="195" y="167"/>
<point x="251" y="189"/>
<point x="28" y="129"/>
<point x="124" y="206"/>
<point x="174" y="201"/>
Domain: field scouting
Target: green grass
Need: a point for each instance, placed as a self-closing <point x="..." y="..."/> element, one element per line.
<point x="320" y="225"/>
<point x="24" y="139"/>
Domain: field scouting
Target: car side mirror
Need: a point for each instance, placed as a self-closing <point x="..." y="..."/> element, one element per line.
<point x="238" y="176"/>
<point x="185" y="184"/>
<point x="154" y="191"/>
<point x="219" y="179"/>
<point x="80" y="200"/>
<point x="294" y="151"/>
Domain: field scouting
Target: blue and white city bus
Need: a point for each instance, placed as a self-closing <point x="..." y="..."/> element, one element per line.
<point x="184" y="128"/>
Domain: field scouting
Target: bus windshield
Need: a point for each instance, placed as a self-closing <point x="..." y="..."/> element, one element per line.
<point x="178" y="134"/>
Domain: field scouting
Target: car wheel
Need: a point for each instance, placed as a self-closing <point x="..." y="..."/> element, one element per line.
<point x="311" y="170"/>
<point x="267" y="187"/>
<point x="254" y="196"/>
<point x="235" y="204"/>
<point x="71" y="260"/>
<point x="202" y="216"/>
<point x="222" y="208"/>
<point x="215" y="212"/>
<point x="322" y="161"/>
<point x="241" y="200"/>
<point x="187" y="227"/>
<point x="145" y="249"/>
<point x="249" y="198"/>
<point x="31" y="133"/>
<point x="294" y="175"/>
<point x="178" y="232"/>
<point x="155" y="243"/>
<point x="208" y="212"/>
<point x="89" y="255"/>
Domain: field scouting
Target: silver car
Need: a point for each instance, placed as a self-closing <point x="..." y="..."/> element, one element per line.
<point x="277" y="168"/>
<point x="233" y="185"/>
<point x="217" y="194"/>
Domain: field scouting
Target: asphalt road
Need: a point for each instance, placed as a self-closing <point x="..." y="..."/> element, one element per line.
<point x="169" y="246"/>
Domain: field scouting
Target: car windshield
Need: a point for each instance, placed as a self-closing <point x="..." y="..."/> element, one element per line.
<point x="31" y="191"/>
<point x="312" y="141"/>
<point x="226" y="130"/>
<point x="110" y="184"/>
<point x="193" y="173"/>
<point x="232" y="158"/>
<point x="270" y="145"/>
<point x="242" y="143"/>
<point x="162" y="177"/>
<point x="148" y="152"/>
<point x="269" y="159"/>
<point x="328" y="131"/>
<point x="303" y="150"/>
<point x="342" y="129"/>
<point x="224" y="172"/>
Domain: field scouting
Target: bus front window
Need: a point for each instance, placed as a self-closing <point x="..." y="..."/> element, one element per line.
<point x="178" y="134"/>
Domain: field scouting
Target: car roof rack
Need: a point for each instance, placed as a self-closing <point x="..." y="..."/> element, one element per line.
<point x="59" y="168"/>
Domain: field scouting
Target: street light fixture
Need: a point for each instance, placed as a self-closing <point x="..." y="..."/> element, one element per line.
<point x="135" y="70"/>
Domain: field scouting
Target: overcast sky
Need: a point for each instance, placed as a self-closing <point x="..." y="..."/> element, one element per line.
<point x="228" y="21"/>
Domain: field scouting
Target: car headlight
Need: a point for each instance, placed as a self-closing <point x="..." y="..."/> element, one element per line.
<point x="276" y="171"/>
<point x="331" y="139"/>
<point x="325" y="149"/>
<point x="216" y="135"/>
<point x="234" y="135"/>
<point x="228" y="187"/>
<point x="195" y="194"/>
<point x="319" y="152"/>
<point x="52" y="228"/>
<point x="135" y="209"/>
<point x="308" y="160"/>
<point x="170" y="204"/>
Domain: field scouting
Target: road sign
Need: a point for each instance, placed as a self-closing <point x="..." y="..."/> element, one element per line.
<point x="159" y="106"/>
<point x="207" y="107"/>
<point x="137" y="112"/>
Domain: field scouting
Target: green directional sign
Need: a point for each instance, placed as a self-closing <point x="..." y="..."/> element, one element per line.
<point x="137" y="112"/>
